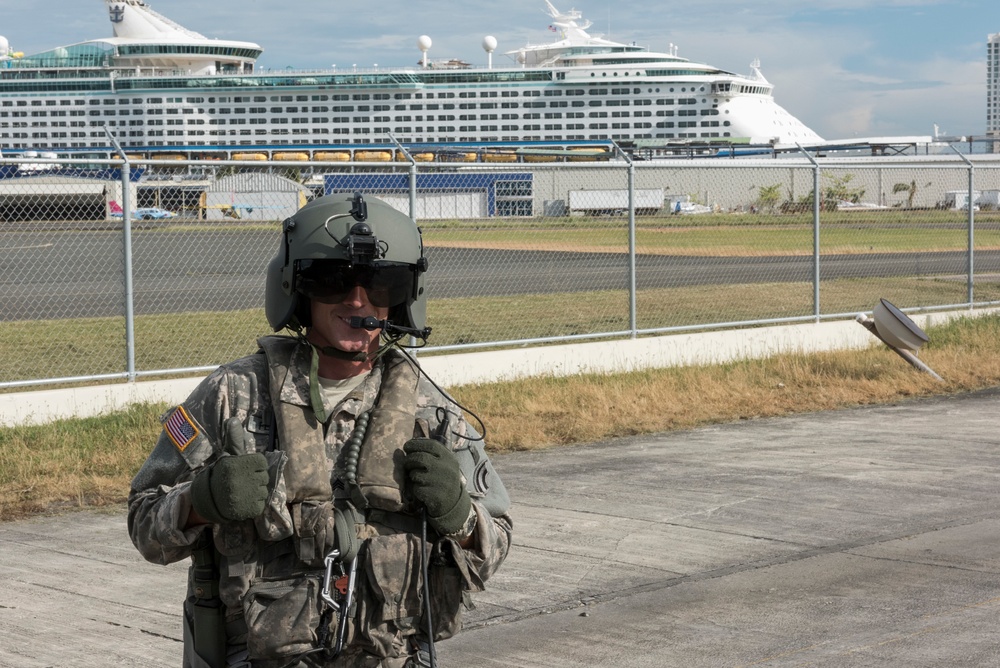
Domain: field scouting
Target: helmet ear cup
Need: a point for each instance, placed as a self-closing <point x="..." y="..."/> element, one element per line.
<point x="279" y="305"/>
<point x="302" y="311"/>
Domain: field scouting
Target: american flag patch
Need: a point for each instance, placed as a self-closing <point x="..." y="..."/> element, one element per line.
<point x="180" y="428"/>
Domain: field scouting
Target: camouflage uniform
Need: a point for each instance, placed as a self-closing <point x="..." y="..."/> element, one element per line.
<point x="268" y="563"/>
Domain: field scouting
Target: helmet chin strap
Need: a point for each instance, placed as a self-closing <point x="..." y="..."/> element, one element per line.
<point x="359" y="356"/>
<point x="315" y="396"/>
<point x="337" y="353"/>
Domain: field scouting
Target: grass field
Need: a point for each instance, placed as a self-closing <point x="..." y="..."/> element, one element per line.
<point x="89" y="462"/>
<point x="731" y="235"/>
<point x="89" y="346"/>
<point x="80" y="463"/>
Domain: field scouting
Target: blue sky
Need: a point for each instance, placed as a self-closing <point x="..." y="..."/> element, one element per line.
<point x="846" y="68"/>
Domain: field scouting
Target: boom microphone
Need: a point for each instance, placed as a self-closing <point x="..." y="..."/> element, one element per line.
<point x="371" y="323"/>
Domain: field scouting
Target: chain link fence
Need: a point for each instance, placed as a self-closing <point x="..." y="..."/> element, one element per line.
<point x="115" y="270"/>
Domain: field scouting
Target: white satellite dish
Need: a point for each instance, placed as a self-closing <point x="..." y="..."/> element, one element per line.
<point x="896" y="328"/>
<point x="897" y="331"/>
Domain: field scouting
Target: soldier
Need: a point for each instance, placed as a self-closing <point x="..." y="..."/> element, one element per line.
<point x="337" y="507"/>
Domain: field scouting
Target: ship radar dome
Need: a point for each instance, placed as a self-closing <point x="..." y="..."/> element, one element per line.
<point x="4" y="47"/>
<point x="424" y="44"/>
<point x="489" y="46"/>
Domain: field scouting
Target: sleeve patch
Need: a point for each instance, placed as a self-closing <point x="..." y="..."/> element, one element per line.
<point x="180" y="428"/>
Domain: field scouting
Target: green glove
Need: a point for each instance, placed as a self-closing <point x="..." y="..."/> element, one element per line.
<point x="232" y="489"/>
<point x="436" y="481"/>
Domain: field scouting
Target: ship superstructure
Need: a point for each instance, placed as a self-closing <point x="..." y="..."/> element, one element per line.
<point x="157" y="85"/>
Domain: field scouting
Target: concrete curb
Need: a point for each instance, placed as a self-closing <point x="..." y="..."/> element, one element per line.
<point x="696" y="348"/>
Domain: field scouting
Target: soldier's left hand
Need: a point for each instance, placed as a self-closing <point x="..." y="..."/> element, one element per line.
<point x="436" y="481"/>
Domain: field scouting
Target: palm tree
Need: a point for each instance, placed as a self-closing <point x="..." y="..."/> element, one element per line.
<point x="909" y="188"/>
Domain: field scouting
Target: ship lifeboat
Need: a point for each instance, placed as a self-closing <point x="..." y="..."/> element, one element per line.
<point x="459" y="157"/>
<point x="418" y="157"/>
<point x="249" y="156"/>
<point x="584" y="154"/>
<point x="331" y="156"/>
<point x="168" y="156"/>
<point x="500" y="157"/>
<point x="539" y="158"/>
<point x="373" y="156"/>
<point x="290" y="157"/>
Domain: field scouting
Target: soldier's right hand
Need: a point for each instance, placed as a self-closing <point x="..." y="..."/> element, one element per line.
<point x="232" y="489"/>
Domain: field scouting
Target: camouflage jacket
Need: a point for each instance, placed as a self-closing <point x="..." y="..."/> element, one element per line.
<point x="275" y="552"/>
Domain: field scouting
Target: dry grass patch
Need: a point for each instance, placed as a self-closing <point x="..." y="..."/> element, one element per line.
<point x="90" y="462"/>
<point x="73" y="463"/>
<point x="541" y="412"/>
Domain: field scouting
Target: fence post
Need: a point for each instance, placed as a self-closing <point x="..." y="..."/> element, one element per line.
<point x="816" y="308"/>
<point x="126" y="178"/>
<point x="970" y="257"/>
<point x="633" y="321"/>
<point x="413" y="210"/>
<point x="413" y="178"/>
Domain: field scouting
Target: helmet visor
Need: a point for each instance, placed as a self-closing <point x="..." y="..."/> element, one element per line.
<point x="331" y="281"/>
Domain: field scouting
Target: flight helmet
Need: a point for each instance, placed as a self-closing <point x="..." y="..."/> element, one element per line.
<point x="336" y="242"/>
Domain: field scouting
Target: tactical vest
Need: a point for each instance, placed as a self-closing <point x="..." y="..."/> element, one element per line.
<point x="380" y="476"/>
<point x="388" y="596"/>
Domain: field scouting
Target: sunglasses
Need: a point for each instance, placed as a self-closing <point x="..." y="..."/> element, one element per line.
<point x="387" y="284"/>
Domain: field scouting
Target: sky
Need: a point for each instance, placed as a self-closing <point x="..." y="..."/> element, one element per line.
<point x="845" y="68"/>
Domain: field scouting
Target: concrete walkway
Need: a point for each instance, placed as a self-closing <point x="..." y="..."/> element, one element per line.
<point x="867" y="537"/>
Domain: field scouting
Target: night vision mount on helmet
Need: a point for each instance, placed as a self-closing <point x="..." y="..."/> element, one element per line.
<point x="338" y="241"/>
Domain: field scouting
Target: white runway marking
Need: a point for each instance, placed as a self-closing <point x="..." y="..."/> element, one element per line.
<point x="14" y="248"/>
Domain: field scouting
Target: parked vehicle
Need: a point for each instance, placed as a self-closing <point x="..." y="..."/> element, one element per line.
<point x="143" y="213"/>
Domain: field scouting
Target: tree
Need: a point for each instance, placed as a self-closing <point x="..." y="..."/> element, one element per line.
<point x="909" y="188"/>
<point x="768" y="196"/>
<point x="840" y="191"/>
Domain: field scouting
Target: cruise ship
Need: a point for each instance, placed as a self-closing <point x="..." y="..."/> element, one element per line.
<point x="158" y="86"/>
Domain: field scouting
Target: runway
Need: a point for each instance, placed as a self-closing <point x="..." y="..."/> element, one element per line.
<point x="863" y="537"/>
<point x="77" y="274"/>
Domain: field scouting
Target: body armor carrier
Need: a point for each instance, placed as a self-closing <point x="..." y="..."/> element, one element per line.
<point x="281" y="601"/>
